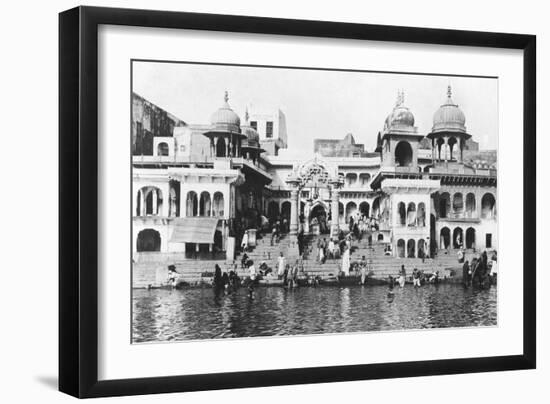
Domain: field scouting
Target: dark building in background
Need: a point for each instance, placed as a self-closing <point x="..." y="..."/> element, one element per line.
<point x="345" y="147"/>
<point x="148" y="121"/>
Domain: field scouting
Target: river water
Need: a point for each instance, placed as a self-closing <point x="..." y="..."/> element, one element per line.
<point x="190" y="314"/>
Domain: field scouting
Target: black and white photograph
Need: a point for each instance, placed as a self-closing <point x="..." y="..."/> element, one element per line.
<point x="272" y="201"/>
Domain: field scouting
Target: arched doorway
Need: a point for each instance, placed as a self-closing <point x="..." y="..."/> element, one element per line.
<point x="458" y="237"/>
<point x="285" y="211"/>
<point x="401" y="211"/>
<point x="148" y="240"/>
<point x="364" y="209"/>
<point x="470" y="205"/>
<point x="421" y="248"/>
<point x="318" y="217"/>
<point x="220" y="147"/>
<point x="403" y="154"/>
<point x="470" y="238"/>
<point x="458" y="204"/>
<point x="272" y="211"/>
<point x="204" y="204"/>
<point x="192" y="204"/>
<point x="421" y="215"/>
<point x="401" y="248"/>
<point x="218" y="206"/>
<point x="445" y="238"/>
<point x="444" y="205"/>
<point x="488" y="204"/>
<point x="351" y="208"/>
<point x="411" y="248"/>
<point x="380" y="237"/>
<point x="376" y="207"/>
<point x="411" y="214"/>
<point x="453" y="150"/>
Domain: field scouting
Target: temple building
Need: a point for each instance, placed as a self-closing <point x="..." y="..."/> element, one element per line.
<point x="197" y="187"/>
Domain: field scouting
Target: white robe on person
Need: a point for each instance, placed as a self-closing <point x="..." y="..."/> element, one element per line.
<point x="346" y="262"/>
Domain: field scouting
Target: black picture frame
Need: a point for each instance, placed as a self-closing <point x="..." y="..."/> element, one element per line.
<point x="78" y="200"/>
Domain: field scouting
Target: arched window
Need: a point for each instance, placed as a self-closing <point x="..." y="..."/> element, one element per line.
<point x="458" y="238"/>
<point x="488" y="205"/>
<point x="445" y="238"/>
<point x="220" y="147"/>
<point x="470" y="237"/>
<point x="340" y="212"/>
<point x="192" y="204"/>
<point x="421" y="248"/>
<point x="148" y="240"/>
<point x="470" y="205"/>
<point x="218" y="206"/>
<point x="376" y="207"/>
<point x="205" y="205"/>
<point x="440" y="150"/>
<point x="364" y="178"/>
<point x="285" y="210"/>
<point x="351" y="208"/>
<point x="380" y="237"/>
<point x="411" y="248"/>
<point x="403" y="154"/>
<point x="453" y="148"/>
<point x="458" y="204"/>
<point x="402" y="211"/>
<point x="421" y="215"/>
<point x="411" y="214"/>
<point x="173" y="211"/>
<point x="149" y="201"/>
<point x="401" y="248"/>
<point x="364" y="208"/>
<point x="444" y="205"/>
<point x="351" y="179"/>
<point x="163" y="149"/>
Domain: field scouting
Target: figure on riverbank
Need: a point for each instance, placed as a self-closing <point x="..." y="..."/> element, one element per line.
<point x="466" y="274"/>
<point x="217" y="282"/>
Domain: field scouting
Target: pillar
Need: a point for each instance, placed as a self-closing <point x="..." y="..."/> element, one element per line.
<point x="294" y="211"/>
<point x="142" y="203"/>
<point x="307" y="210"/>
<point x="335" y="214"/>
<point x="155" y="196"/>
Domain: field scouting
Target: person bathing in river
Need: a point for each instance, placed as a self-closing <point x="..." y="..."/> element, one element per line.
<point x="172" y="275"/>
<point x="402" y="276"/>
<point x="416" y="278"/>
<point x="346" y="261"/>
<point x="281" y="263"/>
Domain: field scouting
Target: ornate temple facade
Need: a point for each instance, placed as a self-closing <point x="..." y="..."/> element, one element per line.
<point x="198" y="187"/>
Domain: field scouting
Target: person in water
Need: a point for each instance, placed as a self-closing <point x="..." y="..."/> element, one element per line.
<point x="416" y="278"/>
<point x="466" y="273"/>
<point x="402" y="276"/>
<point x="172" y="275"/>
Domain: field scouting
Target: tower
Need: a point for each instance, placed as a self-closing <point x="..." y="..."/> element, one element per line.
<point x="448" y="133"/>
<point x="400" y="138"/>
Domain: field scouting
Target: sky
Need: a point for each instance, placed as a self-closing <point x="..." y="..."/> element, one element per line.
<point x="317" y="103"/>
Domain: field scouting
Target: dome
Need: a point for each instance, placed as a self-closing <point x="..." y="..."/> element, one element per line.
<point x="225" y="118"/>
<point x="401" y="116"/>
<point x="449" y="117"/>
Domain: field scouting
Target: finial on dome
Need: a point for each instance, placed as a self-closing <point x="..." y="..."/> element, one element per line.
<point x="246" y="114"/>
<point x="402" y="97"/>
<point x="226" y="96"/>
<point x="449" y="91"/>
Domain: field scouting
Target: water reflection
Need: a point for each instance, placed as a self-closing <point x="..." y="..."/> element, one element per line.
<point x="163" y="315"/>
